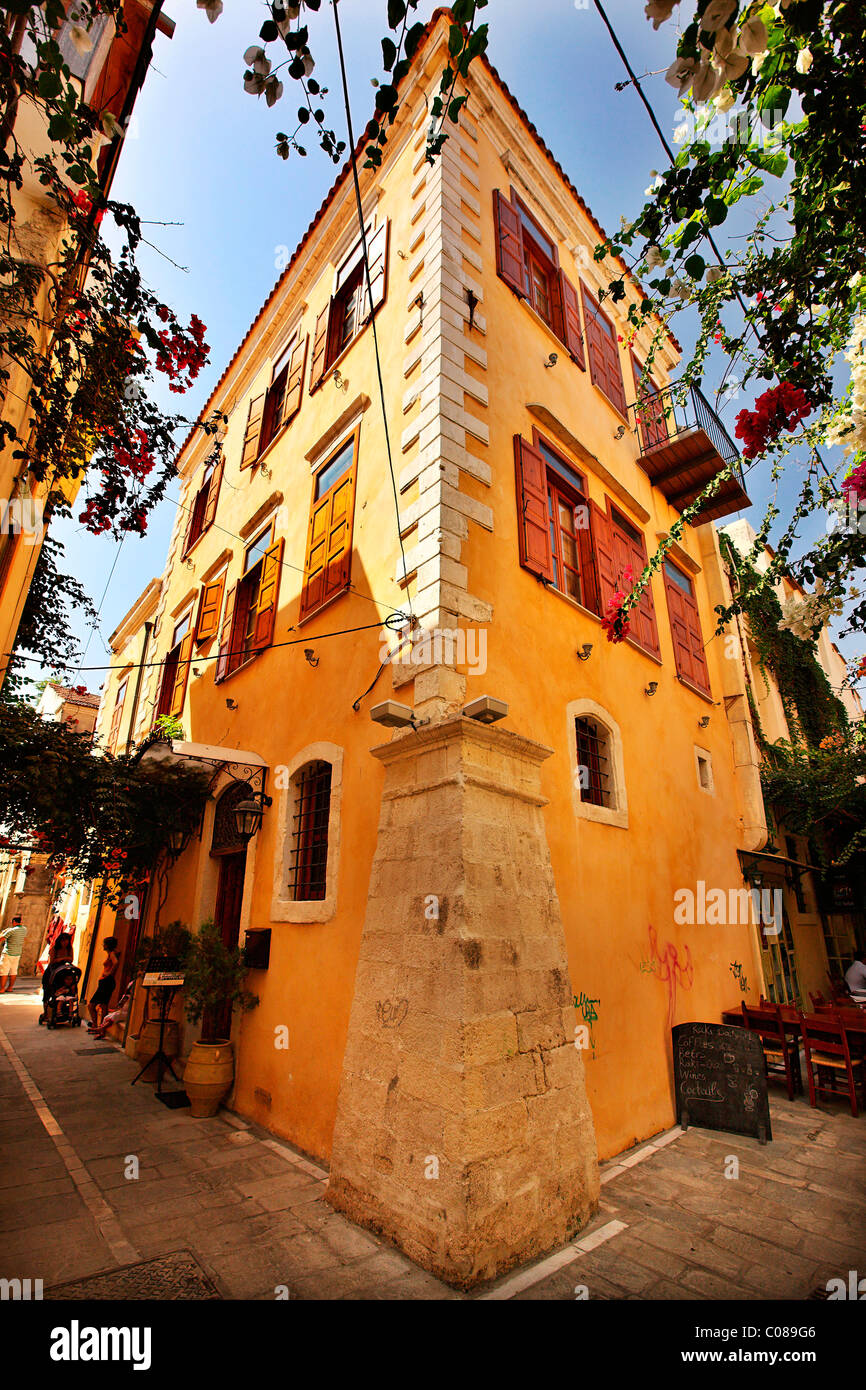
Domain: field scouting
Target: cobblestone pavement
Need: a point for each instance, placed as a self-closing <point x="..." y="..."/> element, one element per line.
<point x="250" y="1208"/>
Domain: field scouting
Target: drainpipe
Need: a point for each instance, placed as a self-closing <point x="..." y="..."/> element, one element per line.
<point x="148" y="628"/>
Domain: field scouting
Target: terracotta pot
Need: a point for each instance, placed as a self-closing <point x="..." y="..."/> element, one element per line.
<point x="208" y="1077"/>
<point x="147" y="1044"/>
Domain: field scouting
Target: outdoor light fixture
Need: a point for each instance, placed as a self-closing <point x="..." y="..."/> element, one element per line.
<point x="486" y="709"/>
<point x="248" y="818"/>
<point x="393" y="715"/>
<point x="702" y="723"/>
<point x="585" y="652"/>
<point x="552" y="360"/>
<point x="651" y="688"/>
<point x="231" y="704"/>
<point x="311" y="657"/>
<point x="175" y="842"/>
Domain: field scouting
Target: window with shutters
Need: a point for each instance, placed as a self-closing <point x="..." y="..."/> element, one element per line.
<point x="629" y="555"/>
<point x="283" y="397"/>
<point x="597" y="766"/>
<point x="117" y="715"/>
<point x="328" y="562"/>
<point x="251" y="606"/>
<point x="204" y="503"/>
<point x="605" y="367"/>
<point x="554" y="528"/>
<point x="527" y="259"/>
<point x="175" y="670"/>
<point x="348" y="310"/>
<point x="691" y="661"/>
<point x="209" y="607"/>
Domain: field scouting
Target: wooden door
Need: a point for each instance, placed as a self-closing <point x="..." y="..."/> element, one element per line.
<point x="227" y="916"/>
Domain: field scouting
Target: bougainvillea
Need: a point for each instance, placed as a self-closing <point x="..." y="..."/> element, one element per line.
<point x="780" y="408"/>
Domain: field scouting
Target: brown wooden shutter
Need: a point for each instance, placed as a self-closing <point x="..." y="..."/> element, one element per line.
<point x="509" y="243"/>
<point x="268" y="596"/>
<point x="573" y="335"/>
<point x="604" y="364"/>
<point x="588" y="575"/>
<point x="327" y="570"/>
<point x="643" y="616"/>
<point x="533" y="519"/>
<point x="191" y="498"/>
<point x="223" y="660"/>
<point x="209" y="606"/>
<point x="116" y="716"/>
<point x="377" y="258"/>
<point x="295" y="383"/>
<point x="605" y="562"/>
<point x="181" y="677"/>
<point x="320" y="347"/>
<point x="253" y="432"/>
<point x="691" y="661"/>
<point x="649" y="407"/>
<point x="213" y="493"/>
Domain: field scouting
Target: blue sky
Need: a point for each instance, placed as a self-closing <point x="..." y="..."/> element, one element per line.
<point x="201" y="155"/>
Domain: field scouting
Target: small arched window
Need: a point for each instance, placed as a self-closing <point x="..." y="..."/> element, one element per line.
<point x="595" y="779"/>
<point x="308" y="863"/>
<point x="598" y="772"/>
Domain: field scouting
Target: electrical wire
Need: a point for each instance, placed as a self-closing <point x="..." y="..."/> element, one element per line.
<point x="79" y="668"/>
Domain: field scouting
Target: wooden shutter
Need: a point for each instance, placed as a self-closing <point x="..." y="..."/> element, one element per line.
<point x="116" y="716"/>
<point x="268" y="596"/>
<point x="213" y="493"/>
<point x="533" y="519"/>
<point x="509" y="243"/>
<point x="691" y="661"/>
<point x="191" y="499"/>
<point x="320" y="347"/>
<point x="209" y="606"/>
<point x="588" y="574"/>
<point x="181" y="677"/>
<point x="573" y="335"/>
<point x="329" y="544"/>
<point x="604" y="364"/>
<point x="649" y="407"/>
<point x="630" y="551"/>
<point x="253" y="432"/>
<point x="294" y="386"/>
<point x="223" y="660"/>
<point x="377" y="258"/>
<point x="605" y="562"/>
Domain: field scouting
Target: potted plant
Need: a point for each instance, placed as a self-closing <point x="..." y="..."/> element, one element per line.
<point x="214" y="985"/>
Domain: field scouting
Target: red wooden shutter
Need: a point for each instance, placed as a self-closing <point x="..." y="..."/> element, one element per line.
<point x="320" y="346"/>
<point x="533" y="519"/>
<point x="224" y="658"/>
<point x="605" y="562"/>
<point x="269" y="593"/>
<point x="181" y="676"/>
<point x="295" y="383"/>
<point x="691" y="661"/>
<point x="604" y="364"/>
<point x="644" y="625"/>
<point x="573" y="338"/>
<point x="213" y="493"/>
<point x="253" y="432"/>
<point x="209" y="606"/>
<point x="588" y="575"/>
<point x="377" y="259"/>
<point x="509" y="243"/>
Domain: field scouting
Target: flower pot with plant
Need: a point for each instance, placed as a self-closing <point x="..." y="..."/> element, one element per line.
<point x="214" y="986"/>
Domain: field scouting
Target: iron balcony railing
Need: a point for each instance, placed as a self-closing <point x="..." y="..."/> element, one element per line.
<point x="666" y="414"/>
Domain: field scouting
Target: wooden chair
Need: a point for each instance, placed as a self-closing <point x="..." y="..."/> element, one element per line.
<point x="817" y="999"/>
<point x="825" y="1045"/>
<point x="781" y="1056"/>
<point x="839" y="991"/>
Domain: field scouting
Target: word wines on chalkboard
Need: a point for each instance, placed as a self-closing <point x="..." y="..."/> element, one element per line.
<point x="721" y="1079"/>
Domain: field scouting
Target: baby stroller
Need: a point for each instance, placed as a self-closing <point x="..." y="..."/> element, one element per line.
<point x="60" y="995"/>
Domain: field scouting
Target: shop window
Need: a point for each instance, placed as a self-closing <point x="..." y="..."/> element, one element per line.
<point x="328" y="562"/>
<point x="528" y="261"/>
<point x="204" y="502"/>
<point x="251" y="605"/>
<point x="691" y="661"/>
<point x="349" y="308"/>
<point x="308" y="863"/>
<point x="175" y="672"/>
<point x="605" y="367"/>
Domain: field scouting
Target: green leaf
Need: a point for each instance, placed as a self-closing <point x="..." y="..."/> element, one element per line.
<point x="716" y="211"/>
<point x="389" y="54"/>
<point x="455" y="40"/>
<point x="773" y="100"/>
<point x="269" y="31"/>
<point x="690" y="232"/>
<point x="695" y="266"/>
<point x="396" y="13"/>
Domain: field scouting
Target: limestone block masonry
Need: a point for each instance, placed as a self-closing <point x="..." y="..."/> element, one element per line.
<point x="463" y="1132"/>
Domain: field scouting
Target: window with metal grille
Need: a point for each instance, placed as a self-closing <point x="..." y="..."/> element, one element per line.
<point x="312" y="808"/>
<point x="593" y="761"/>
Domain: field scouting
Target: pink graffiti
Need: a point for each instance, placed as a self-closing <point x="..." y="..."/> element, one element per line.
<point x="671" y="970"/>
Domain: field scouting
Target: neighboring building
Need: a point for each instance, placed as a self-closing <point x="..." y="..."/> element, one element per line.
<point x="426" y="910"/>
<point x="72" y="705"/>
<point x="111" y="75"/>
<point x="824" y="914"/>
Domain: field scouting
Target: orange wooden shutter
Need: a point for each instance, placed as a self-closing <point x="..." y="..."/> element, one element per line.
<point x="533" y="521"/>
<point x="253" y="432"/>
<point x="116" y="717"/>
<point x="377" y="258"/>
<point x="209" y="609"/>
<point x="605" y="561"/>
<point x="213" y="493"/>
<point x="181" y="676"/>
<point x="629" y="551"/>
<point x="604" y="364"/>
<point x="320" y="347"/>
<point x="191" y="498"/>
<point x="509" y="243"/>
<point x="573" y="337"/>
<point x="689" y="652"/>
<point x="588" y="574"/>
<point x="295" y="383"/>
<point x="268" y="597"/>
<point x="223" y="660"/>
<point x="329" y="544"/>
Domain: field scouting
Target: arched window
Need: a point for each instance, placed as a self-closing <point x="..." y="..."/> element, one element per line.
<point x="308" y="862"/>
<point x="595" y="783"/>
<point x="598" y="773"/>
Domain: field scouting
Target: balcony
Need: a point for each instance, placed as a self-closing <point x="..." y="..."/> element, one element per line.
<point x="683" y="445"/>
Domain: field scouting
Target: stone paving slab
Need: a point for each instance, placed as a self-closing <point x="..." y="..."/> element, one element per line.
<point x="251" y="1212"/>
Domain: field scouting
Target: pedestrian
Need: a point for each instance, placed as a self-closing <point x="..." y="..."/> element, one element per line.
<point x="11" y="946"/>
<point x="104" y="990"/>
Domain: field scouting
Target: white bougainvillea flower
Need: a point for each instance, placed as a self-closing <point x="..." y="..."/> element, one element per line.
<point x="753" y="37"/>
<point x="80" y="39"/>
<point x="655" y="185"/>
<point x="707" y="81"/>
<point x="273" y="90"/>
<point x="680" y="289"/>
<point x="255" y="84"/>
<point x="309" y="65"/>
<point x="212" y="8"/>
<point x="714" y="273"/>
<point x="659" y="11"/>
<point x="680" y="74"/>
<point x="717" y="13"/>
<point x="724" y="43"/>
<point x="732" y="65"/>
<point x="654" y="257"/>
<point x="253" y="54"/>
<point x="111" y="125"/>
<point x="724" y="101"/>
<point x="804" y="61"/>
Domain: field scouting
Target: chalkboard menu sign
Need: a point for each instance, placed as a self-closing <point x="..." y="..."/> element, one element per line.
<point x="721" y="1079"/>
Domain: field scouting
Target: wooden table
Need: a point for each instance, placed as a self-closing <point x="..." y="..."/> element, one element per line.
<point x="854" y="1028"/>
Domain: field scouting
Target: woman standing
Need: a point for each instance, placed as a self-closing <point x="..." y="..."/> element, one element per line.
<point x="104" y="990"/>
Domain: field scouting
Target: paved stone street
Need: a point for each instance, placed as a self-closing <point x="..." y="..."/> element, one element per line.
<point x="250" y="1209"/>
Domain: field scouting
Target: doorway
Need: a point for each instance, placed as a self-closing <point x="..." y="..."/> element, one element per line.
<point x="231" y="851"/>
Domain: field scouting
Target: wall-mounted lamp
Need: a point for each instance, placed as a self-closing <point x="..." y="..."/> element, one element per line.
<point x="472" y="301"/>
<point x="486" y="709"/>
<point x="248" y="818"/>
<point x="651" y="688"/>
<point x="620" y="431"/>
<point x="552" y="360"/>
<point x="340" y="381"/>
<point x="585" y="652"/>
<point x="231" y="704"/>
<point x="265" y="471"/>
<point x="402" y="255"/>
<point x="311" y="657"/>
<point x="702" y="723"/>
<point x="196" y="670"/>
<point x="190" y="564"/>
